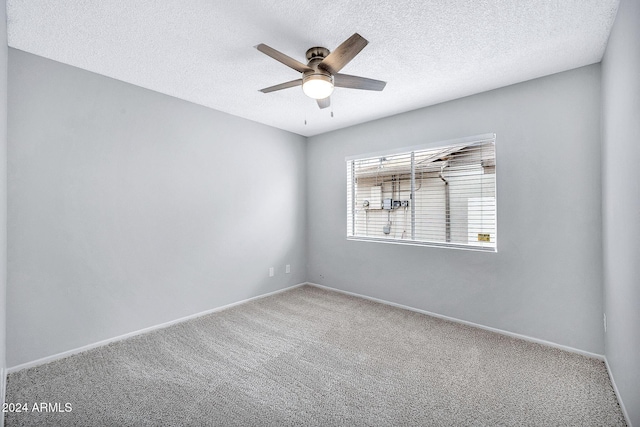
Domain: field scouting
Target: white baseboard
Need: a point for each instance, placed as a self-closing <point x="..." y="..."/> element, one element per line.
<point x="615" y="389"/>
<point x="68" y="353"/>
<point x="465" y="322"/>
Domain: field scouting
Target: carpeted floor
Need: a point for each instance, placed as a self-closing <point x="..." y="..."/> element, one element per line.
<point x="314" y="357"/>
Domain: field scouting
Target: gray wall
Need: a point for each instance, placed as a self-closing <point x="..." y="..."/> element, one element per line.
<point x="3" y="193"/>
<point x="546" y="279"/>
<point x="621" y="203"/>
<point x="129" y="208"/>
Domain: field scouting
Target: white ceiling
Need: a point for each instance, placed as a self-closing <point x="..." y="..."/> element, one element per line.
<point x="428" y="51"/>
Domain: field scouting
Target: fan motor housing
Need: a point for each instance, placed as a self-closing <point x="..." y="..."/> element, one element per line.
<point x="315" y="55"/>
<point x="317" y="77"/>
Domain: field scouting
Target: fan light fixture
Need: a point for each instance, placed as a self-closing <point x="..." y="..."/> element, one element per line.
<point x="317" y="86"/>
<point x="322" y="70"/>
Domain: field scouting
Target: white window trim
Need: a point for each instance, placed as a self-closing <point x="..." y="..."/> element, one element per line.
<point x="486" y="137"/>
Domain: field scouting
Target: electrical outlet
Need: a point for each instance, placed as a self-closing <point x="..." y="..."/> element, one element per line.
<point x="271" y="272"/>
<point x="287" y="268"/>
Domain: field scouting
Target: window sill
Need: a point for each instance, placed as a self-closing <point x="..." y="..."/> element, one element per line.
<point x="423" y="244"/>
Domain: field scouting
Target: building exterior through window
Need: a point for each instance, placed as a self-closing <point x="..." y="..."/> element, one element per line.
<point x="441" y="194"/>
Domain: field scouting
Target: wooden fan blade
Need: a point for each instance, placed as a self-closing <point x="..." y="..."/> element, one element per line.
<point x="324" y="103"/>
<point x="281" y="86"/>
<point x="343" y="53"/>
<point x="281" y="57"/>
<point x="355" y="82"/>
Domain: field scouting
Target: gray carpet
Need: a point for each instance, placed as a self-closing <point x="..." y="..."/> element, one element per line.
<point x="314" y="357"/>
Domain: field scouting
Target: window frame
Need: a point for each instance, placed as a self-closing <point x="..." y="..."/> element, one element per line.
<point x="351" y="198"/>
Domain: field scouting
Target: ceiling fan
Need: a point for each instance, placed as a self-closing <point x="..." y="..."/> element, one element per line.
<point x="321" y="73"/>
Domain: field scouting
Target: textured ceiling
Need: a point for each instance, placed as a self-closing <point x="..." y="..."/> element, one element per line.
<point x="202" y="51"/>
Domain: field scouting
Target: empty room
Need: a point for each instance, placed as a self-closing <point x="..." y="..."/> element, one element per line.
<point x="320" y="213"/>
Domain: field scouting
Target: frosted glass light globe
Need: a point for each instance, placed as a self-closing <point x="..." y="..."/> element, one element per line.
<point x="317" y="86"/>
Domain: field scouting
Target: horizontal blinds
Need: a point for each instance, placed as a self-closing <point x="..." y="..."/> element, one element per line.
<point x="444" y="195"/>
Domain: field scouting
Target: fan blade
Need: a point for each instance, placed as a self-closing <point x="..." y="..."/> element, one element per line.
<point x="281" y="57"/>
<point x="281" y="86"/>
<point x="355" y="82"/>
<point x="343" y="53"/>
<point x="324" y="103"/>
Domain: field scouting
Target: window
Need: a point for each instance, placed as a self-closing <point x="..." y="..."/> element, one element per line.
<point x="442" y="194"/>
